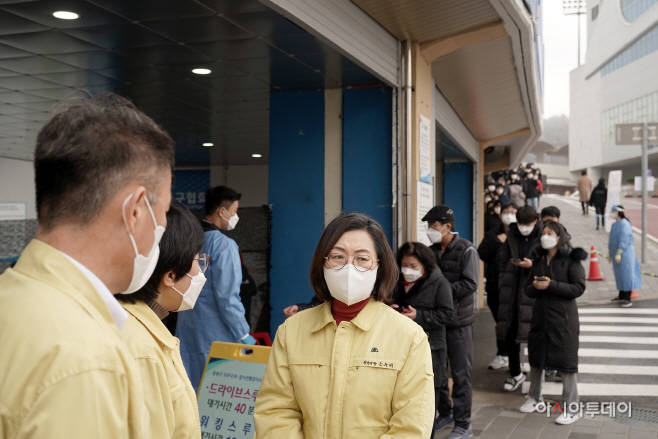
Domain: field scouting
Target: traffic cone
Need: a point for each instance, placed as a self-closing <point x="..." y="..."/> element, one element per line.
<point x="594" y="269"/>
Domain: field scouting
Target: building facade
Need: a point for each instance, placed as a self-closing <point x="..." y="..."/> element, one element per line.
<point x="617" y="84"/>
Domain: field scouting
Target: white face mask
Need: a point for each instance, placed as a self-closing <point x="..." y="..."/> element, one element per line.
<point x="548" y="242"/>
<point x="508" y="218"/>
<point x="497" y="210"/>
<point x="500" y="191"/>
<point x="143" y="266"/>
<point x="434" y="235"/>
<point x="192" y="294"/>
<point x="232" y="222"/>
<point x="525" y="230"/>
<point x="486" y="200"/>
<point x="350" y="285"/>
<point x="411" y="275"/>
<point x="491" y="188"/>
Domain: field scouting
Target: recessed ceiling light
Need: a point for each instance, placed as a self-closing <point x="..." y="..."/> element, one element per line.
<point x="256" y="155"/>
<point x="65" y="15"/>
<point x="207" y="144"/>
<point x="202" y="71"/>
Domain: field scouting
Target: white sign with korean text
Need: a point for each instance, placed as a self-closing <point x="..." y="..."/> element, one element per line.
<point x="614" y="196"/>
<point x="13" y="211"/>
<point x="425" y="151"/>
<point x="424" y="202"/>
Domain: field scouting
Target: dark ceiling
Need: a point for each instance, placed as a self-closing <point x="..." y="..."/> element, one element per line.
<point x="145" y="50"/>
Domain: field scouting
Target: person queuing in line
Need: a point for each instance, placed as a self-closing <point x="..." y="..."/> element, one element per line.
<point x="174" y="286"/>
<point x="599" y="199"/>
<point x="550" y="213"/>
<point x="219" y="315"/>
<point x="532" y="190"/>
<point x="291" y="310"/>
<point x="585" y="188"/>
<point x="492" y="217"/>
<point x="488" y="251"/>
<point x="490" y="190"/>
<point x="500" y="191"/>
<point x="558" y="278"/>
<point x="353" y="366"/>
<point x="423" y="294"/>
<point x="103" y="185"/>
<point x="515" y="191"/>
<point x="515" y="308"/>
<point x="621" y="252"/>
<point x="458" y="260"/>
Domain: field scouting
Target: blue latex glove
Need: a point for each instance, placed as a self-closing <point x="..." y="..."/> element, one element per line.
<point x="248" y="340"/>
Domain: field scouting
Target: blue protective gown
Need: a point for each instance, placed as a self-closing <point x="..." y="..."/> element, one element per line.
<point x="627" y="273"/>
<point x="218" y="314"/>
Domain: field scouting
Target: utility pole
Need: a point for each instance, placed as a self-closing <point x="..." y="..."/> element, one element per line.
<point x="577" y="8"/>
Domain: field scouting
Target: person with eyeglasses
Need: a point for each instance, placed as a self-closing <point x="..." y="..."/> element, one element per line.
<point x="353" y="366"/>
<point x="174" y="286"/>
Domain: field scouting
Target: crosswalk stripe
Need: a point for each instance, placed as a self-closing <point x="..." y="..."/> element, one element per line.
<point x="613" y="353"/>
<point x="608" y="319"/>
<point x="617" y="310"/>
<point x="595" y="389"/>
<point x="615" y="339"/>
<point x="601" y="328"/>
<point x="616" y="369"/>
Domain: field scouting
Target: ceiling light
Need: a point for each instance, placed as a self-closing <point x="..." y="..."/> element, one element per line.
<point x="65" y="15"/>
<point x="256" y="155"/>
<point x="207" y="144"/>
<point x="201" y="71"/>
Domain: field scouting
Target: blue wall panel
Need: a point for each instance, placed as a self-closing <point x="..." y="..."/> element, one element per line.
<point x="296" y="192"/>
<point x="458" y="194"/>
<point x="367" y="153"/>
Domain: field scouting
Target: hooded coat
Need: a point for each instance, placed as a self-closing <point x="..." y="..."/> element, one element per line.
<point x="599" y="196"/>
<point x="431" y="296"/>
<point x="555" y="327"/>
<point x="512" y="280"/>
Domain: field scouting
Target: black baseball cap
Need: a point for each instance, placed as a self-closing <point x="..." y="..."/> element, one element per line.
<point x="443" y="214"/>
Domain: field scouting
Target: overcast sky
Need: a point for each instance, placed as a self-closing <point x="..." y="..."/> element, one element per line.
<point x="560" y="55"/>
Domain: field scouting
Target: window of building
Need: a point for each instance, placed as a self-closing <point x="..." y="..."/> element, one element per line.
<point x="646" y="44"/>
<point x="632" y="9"/>
<point x="642" y="109"/>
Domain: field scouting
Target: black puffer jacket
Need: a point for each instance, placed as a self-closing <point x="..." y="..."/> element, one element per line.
<point x="554" y="331"/>
<point x="431" y="297"/>
<point x="488" y="251"/>
<point x="599" y="196"/>
<point x="512" y="281"/>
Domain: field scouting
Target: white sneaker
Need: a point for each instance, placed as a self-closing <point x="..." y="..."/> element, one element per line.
<point x="499" y="362"/>
<point x="529" y="406"/>
<point x="566" y="419"/>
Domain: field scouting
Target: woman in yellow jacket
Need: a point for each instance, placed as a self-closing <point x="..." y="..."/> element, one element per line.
<point x="352" y="367"/>
<point x="174" y="286"/>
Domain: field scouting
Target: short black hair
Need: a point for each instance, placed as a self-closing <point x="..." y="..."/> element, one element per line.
<point x="180" y="243"/>
<point x="89" y="150"/>
<point x="508" y="205"/>
<point x="422" y="252"/>
<point x="584" y="172"/>
<point x="220" y="196"/>
<point x="550" y="211"/>
<point x="526" y="215"/>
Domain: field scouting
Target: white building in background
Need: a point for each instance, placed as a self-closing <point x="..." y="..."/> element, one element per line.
<point x="617" y="84"/>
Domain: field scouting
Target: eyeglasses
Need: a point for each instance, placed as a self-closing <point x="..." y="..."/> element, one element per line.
<point x="362" y="263"/>
<point x="204" y="262"/>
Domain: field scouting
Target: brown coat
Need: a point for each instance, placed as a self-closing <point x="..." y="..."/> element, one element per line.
<point x="584" y="187"/>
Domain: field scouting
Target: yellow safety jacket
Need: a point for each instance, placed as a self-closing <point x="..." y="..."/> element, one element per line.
<point x="168" y="393"/>
<point x="368" y="378"/>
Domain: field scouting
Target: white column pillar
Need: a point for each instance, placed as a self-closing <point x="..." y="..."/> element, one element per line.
<point x="333" y="153"/>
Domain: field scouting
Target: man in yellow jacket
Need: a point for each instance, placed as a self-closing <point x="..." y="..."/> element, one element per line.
<point x="103" y="181"/>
